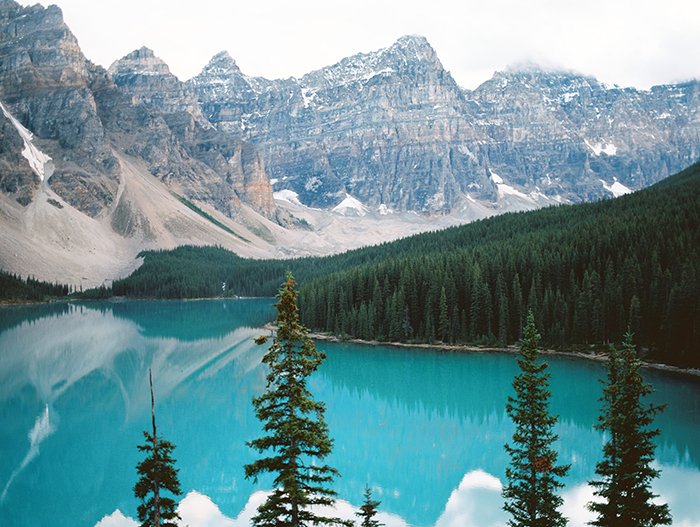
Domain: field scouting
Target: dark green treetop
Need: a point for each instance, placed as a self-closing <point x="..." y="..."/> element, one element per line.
<point x="369" y="510"/>
<point x="296" y="433"/>
<point x="625" y="473"/>
<point x="533" y="474"/>
<point x="158" y="473"/>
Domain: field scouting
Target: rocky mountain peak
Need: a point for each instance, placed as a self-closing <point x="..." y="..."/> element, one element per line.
<point x="393" y="129"/>
<point x="24" y="33"/>
<point x="414" y="48"/>
<point x="139" y="62"/>
<point x="221" y="170"/>
<point x="46" y="86"/>
<point x="149" y="81"/>
<point x="221" y="64"/>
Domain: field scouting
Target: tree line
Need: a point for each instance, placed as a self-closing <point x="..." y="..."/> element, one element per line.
<point x="296" y="441"/>
<point x="587" y="272"/>
<point x="15" y="288"/>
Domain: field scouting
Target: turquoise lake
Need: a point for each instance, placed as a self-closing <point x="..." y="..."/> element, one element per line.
<point x="424" y="429"/>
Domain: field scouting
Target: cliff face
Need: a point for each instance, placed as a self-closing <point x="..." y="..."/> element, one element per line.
<point x="389" y="128"/>
<point x="76" y="115"/>
<point x="568" y="136"/>
<point x="187" y="151"/>
<point x="47" y="85"/>
<point x="393" y="129"/>
<point x="78" y="200"/>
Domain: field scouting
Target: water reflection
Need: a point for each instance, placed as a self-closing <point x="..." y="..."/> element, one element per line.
<point x="424" y="429"/>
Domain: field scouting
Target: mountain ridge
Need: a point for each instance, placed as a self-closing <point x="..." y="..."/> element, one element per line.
<point x="377" y="146"/>
<point x="525" y="125"/>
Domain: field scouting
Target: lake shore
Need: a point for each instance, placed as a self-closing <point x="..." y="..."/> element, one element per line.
<point x="600" y="357"/>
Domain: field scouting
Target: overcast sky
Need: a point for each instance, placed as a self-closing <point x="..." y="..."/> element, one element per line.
<point x="637" y="43"/>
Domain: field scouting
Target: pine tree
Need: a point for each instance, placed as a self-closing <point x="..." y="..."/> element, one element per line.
<point x="443" y="320"/>
<point x="532" y="475"/>
<point x="157" y="473"/>
<point x="625" y="474"/>
<point x="369" y="510"/>
<point x="297" y="434"/>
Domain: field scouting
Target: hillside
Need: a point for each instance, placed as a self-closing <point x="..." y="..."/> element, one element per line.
<point x="98" y="165"/>
<point x="589" y="272"/>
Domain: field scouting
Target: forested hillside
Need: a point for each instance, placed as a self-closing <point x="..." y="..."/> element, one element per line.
<point x="588" y="272"/>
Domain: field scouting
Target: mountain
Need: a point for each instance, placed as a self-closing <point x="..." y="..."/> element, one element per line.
<point x="393" y="130"/>
<point x="390" y="129"/>
<point x="98" y="165"/>
<point x="210" y="165"/>
<point x="78" y="156"/>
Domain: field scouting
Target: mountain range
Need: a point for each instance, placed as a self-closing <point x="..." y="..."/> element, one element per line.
<point x="97" y="165"/>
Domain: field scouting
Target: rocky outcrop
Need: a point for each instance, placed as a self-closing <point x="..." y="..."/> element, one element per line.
<point x="569" y="137"/>
<point x="389" y="128"/>
<point x="168" y="129"/>
<point x="77" y="115"/>
<point x="394" y="130"/>
<point x="47" y="85"/>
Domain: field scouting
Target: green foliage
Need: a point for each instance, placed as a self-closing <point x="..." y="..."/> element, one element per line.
<point x="15" y="289"/>
<point x="586" y="271"/>
<point x="625" y="473"/>
<point x="368" y="510"/>
<point x="96" y="293"/>
<point x="533" y="474"/>
<point x="297" y="434"/>
<point x="187" y="203"/>
<point x="158" y="473"/>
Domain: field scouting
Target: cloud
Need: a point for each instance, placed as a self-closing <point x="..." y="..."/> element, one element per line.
<point x="475" y="502"/>
<point x="117" y="519"/>
<point x="627" y="42"/>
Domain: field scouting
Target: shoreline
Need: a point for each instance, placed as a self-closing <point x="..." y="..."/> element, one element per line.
<point x="599" y="357"/>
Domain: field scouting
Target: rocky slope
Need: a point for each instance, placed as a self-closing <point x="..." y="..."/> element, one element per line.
<point x="98" y="165"/>
<point x="393" y="130"/>
<point x="207" y="164"/>
<point x="79" y="115"/>
<point x="74" y="152"/>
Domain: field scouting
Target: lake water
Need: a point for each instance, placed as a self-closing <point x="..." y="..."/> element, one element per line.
<point x="424" y="428"/>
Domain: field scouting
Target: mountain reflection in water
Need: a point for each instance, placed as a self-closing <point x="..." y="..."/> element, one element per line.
<point x="424" y="428"/>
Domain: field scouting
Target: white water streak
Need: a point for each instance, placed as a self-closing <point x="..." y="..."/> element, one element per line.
<point x="42" y="429"/>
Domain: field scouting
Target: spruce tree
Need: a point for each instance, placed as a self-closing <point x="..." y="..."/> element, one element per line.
<point x="624" y="473"/>
<point x="369" y="510"/>
<point x="157" y="473"/>
<point x="297" y="435"/>
<point x="533" y="474"/>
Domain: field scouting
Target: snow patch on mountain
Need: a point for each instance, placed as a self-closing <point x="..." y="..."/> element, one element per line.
<point x="350" y="207"/>
<point x="602" y="148"/>
<point x="617" y="189"/>
<point x="38" y="160"/>
<point x="287" y="195"/>
<point x="504" y="189"/>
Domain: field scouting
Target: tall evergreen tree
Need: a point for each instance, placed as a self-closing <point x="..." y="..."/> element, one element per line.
<point x="624" y="472"/>
<point x="444" y="319"/>
<point x="157" y="473"/>
<point x="533" y="474"/>
<point x="297" y="434"/>
<point x="369" y="510"/>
